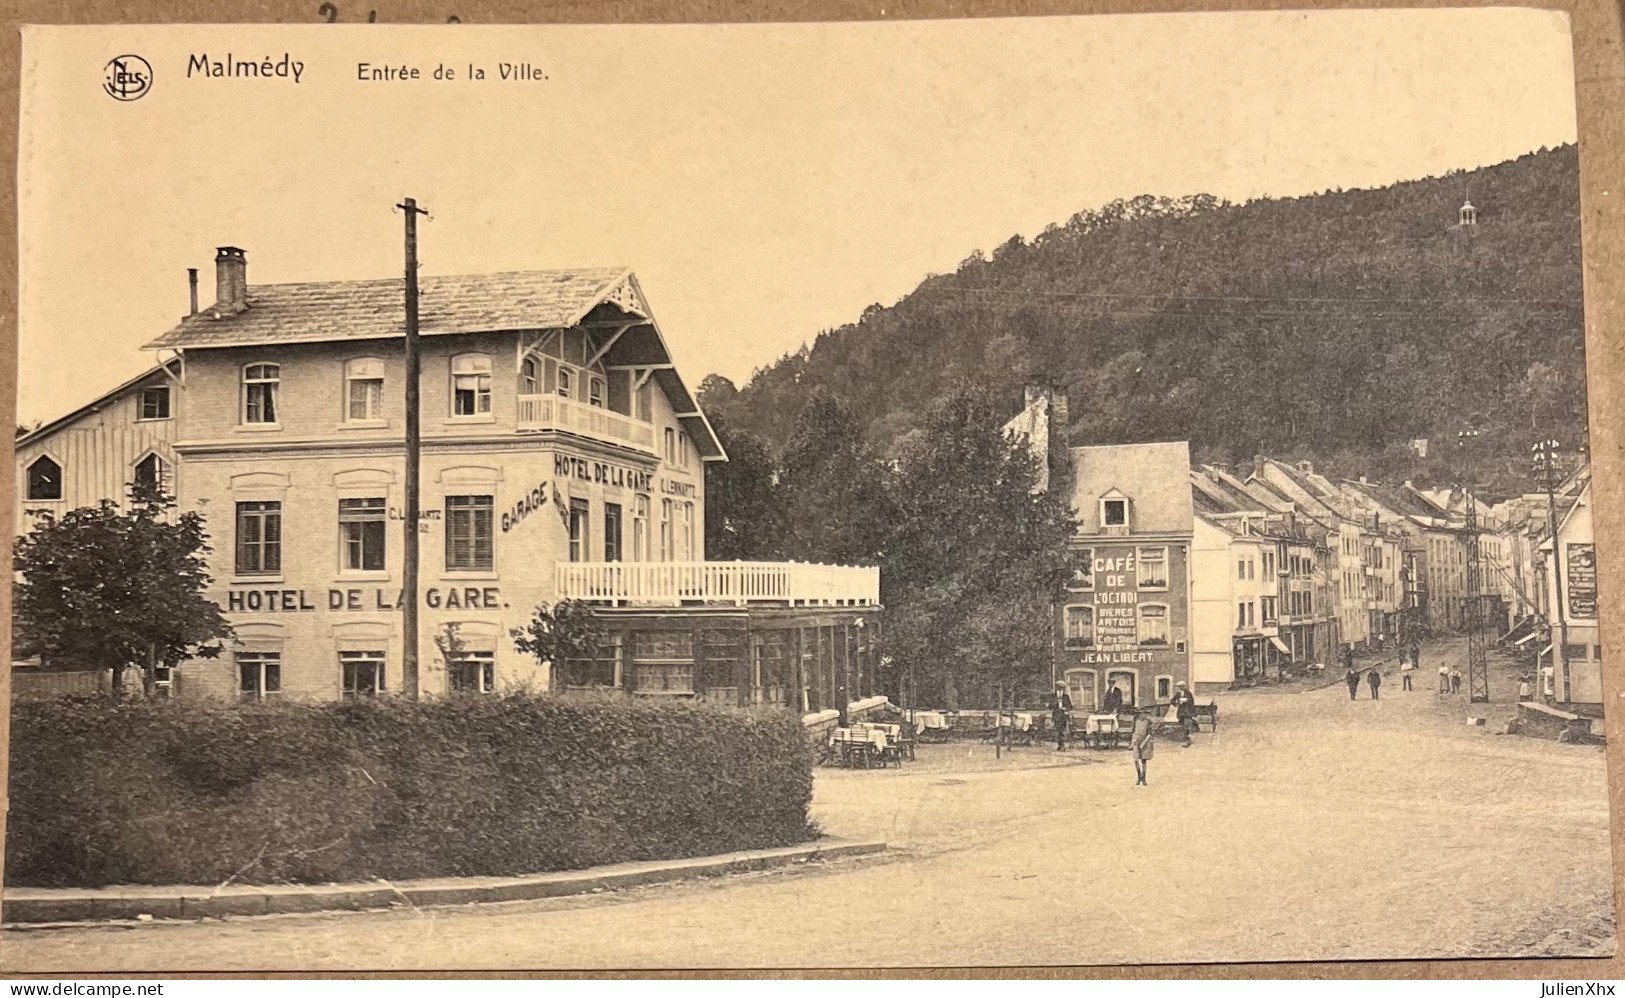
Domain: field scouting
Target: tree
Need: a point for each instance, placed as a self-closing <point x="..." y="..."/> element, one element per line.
<point x="835" y="489"/>
<point x="557" y="633"/>
<point x="976" y="558"/>
<point x="742" y="515"/>
<point x="108" y="588"/>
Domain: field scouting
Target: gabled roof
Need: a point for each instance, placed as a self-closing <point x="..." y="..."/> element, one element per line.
<point x="96" y="404"/>
<point x="1155" y="476"/>
<point x="330" y="311"/>
<point x="323" y="311"/>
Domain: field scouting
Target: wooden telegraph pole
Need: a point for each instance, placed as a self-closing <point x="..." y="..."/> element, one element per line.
<point x="414" y="446"/>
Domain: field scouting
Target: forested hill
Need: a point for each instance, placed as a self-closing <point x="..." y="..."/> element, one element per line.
<point x="1337" y="325"/>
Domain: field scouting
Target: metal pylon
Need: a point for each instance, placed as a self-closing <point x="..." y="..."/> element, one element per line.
<point x="1478" y="662"/>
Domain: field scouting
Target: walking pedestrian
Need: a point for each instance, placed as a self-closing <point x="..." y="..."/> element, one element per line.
<point x="1352" y="678"/>
<point x="1455" y="679"/>
<point x="1416" y="656"/>
<point x="1444" y="679"/>
<point x="1184" y="705"/>
<point x="1142" y="742"/>
<point x="1406" y="667"/>
<point x="1374" y="679"/>
<point x="1060" y="707"/>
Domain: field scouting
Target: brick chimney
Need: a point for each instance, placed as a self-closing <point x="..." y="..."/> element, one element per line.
<point x="1060" y="417"/>
<point x="230" y="280"/>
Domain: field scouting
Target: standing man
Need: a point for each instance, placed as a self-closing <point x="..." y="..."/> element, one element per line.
<point x="1352" y="678"/>
<point x="1141" y="741"/>
<point x="1406" y="667"/>
<point x="1374" y="679"/>
<point x="1444" y="679"/>
<point x="1455" y="679"/>
<point x="1416" y="655"/>
<point x="1184" y="705"/>
<point x="1060" y="706"/>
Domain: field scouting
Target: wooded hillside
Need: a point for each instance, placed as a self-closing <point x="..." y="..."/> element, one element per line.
<point x="1336" y="326"/>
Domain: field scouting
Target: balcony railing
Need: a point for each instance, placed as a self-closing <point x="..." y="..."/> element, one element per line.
<point x="671" y="583"/>
<point x="550" y="412"/>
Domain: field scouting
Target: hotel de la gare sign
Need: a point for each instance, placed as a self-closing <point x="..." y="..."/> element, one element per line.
<point x="544" y="495"/>
<point x="1121" y="606"/>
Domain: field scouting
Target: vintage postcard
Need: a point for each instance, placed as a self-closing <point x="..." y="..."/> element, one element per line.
<point x="1022" y="491"/>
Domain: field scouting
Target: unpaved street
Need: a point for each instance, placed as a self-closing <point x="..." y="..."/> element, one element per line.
<point x="1309" y="827"/>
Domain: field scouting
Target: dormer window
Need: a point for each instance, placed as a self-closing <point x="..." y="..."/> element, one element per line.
<point x="1114" y="512"/>
<point x="260" y="385"/>
<point x="471" y="384"/>
<point x="364" y="390"/>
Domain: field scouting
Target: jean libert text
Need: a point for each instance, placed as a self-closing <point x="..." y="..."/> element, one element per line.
<point x="508" y="72"/>
<point x="268" y="68"/>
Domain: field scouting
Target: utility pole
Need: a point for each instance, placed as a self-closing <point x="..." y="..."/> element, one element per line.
<point x="1478" y="668"/>
<point x="1545" y="453"/>
<point x="414" y="447"/>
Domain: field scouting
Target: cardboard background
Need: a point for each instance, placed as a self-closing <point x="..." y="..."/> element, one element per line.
<point x="1600" y="102"/>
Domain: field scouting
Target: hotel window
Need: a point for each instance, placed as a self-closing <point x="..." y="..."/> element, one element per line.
<point x="529" y="380"/>
<point x="612" y="531"/>
<point x="640" y="528"/>
<point x="1266" y="609"/>
<point x="1252" y="566"/>
<point x="1153" y="568"/>
<point x="44" y="480"/>
<point x="364" y="390"/>
<point x="688" y="531"/>
<point x="471" y="672"/>
<point x="155" y="402"/>
<point x="469" y="540"/>
<point x="566" y="382"/>
<point x="601" y="670"/>
<point x="260" y="385"/>
<point x="685" y="449"/>
<point x="471" y="384"/>
<point x="671" y="446"/>
<point x="151" y="473"/>
<point x="363" y="673"/>
<point x="1269" y="564"/>
<point x="259" y="538"/>
<point x="578" y="529"/>
<point x="361" y="534"/>
<point x="667" y="544"/>
<point x="1241" y="614"/>
<point x="1153" y="624"/>
<point x="1165" y="687"/>
<point x="595" y="392"/>
<point x="259" y="674"/>
<point x="1080" y="627"/>
<point x="1083" y="569"/>
<point x="1114" y="512"/>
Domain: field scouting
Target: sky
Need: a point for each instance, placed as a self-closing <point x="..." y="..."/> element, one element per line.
<point x="765" y="182"/>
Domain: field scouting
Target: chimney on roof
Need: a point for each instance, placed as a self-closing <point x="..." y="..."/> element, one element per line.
<point x="191" y="281"/>
<point x="1307" y="467"/>
<point x="230" y="280"/>
<point x="1363" y="481"/>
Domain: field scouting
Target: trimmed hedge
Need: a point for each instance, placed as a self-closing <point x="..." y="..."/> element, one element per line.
<point x="196" y="792"/>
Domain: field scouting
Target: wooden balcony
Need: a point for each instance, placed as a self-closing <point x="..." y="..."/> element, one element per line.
<point x="737" y="583"/>
<point x="550" y="412"/>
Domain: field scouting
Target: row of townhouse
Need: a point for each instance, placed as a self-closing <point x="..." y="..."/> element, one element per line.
<point x="1204" y="575"/>
<point x="563" y="458"/>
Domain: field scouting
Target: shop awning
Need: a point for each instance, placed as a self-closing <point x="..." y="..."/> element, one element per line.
<point x="1527" y="638"/>
<point x="1280" y="645"/>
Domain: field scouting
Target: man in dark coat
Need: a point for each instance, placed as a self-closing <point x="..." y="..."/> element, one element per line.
<point x="1184" y="711"/>
<point x="1374" y="677"/>
<point x="1060" y="706"/>
<point x="1114" y="700"/>
<point x="1352" y="678"/>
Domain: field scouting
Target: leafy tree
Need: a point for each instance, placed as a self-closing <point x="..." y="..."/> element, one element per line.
<point x="837" y="489"/>
<point x="101" y="587"/>
<point x="976" y="558"/>
<point x="742" y="500"/>
<point x="557" y="633"/>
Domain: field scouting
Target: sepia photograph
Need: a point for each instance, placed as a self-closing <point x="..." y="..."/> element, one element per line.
<point x="1063" y="491"/>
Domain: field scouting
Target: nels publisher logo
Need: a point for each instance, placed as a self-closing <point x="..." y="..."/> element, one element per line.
<point x="127" y="78"/>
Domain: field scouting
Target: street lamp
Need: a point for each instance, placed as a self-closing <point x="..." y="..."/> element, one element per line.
<point x="1545" y="459"/>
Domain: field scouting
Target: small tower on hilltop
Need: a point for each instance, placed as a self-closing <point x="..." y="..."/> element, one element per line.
<point x="1468" y="217"/>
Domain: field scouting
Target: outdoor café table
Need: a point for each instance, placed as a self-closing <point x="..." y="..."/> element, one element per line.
<point x="1097" y="726"/>
<point x="858" y="745"/>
